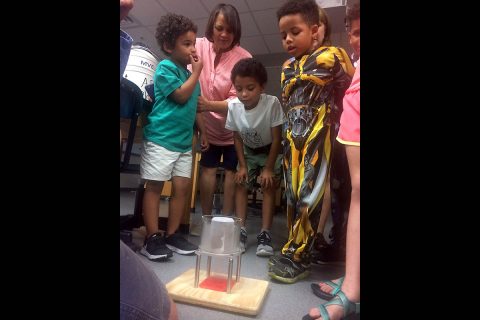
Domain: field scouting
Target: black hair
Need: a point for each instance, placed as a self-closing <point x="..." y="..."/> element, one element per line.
<point x="232" y="18"/>
<point x="170" y="27"/>
<point x="250" y="67"/>
<point x="352" y="13"/>
<point x="308" y="9"/>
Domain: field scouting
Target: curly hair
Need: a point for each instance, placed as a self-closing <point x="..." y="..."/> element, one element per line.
<point x="308" y="9"/>
<point x="249" y="67"/>
<point x="170" y="27"/>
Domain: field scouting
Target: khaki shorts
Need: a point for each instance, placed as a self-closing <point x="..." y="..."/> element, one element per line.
<point x="160" y="164"/>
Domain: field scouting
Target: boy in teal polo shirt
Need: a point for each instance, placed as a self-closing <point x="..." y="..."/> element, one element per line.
<point x="167" y="145"/>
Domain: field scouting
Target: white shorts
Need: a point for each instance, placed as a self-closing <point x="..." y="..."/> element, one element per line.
<point x="160" y="164"/>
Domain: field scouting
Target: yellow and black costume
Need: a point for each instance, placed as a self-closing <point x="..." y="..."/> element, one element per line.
<point x="312" y="90"/>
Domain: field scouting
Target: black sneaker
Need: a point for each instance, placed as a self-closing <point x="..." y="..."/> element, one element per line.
<point x="243" y="240"/>
<point x="330" y="254"/>
<point x="155" y="249"/>
<point x="177" y="243"/>
<point x="264" y="247"/>
<point x="287" y="270"/>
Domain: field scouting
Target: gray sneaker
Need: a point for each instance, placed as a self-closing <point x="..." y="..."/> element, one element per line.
<point x="264" y="247"/>
<point x="243" y="240"/>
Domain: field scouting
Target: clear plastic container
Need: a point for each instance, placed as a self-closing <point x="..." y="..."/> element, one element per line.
<point x="220" y="234"/>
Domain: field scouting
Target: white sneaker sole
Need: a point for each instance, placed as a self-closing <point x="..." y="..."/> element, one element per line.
<point x="180" y="251"/>
<point x="152" y="257"/>
<point x="264" y="253"/>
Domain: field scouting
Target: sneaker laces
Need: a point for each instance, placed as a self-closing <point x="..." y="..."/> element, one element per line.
<point x="264" y="238"/>
<point x="155" y="241"/>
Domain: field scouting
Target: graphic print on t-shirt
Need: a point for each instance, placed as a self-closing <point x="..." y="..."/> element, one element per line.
<point x="252" y="138"/>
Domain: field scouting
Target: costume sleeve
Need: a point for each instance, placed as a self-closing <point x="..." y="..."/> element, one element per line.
<point x="338" y="61"/>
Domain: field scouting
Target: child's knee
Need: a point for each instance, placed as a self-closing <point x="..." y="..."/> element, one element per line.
<point x="153" y="185"/>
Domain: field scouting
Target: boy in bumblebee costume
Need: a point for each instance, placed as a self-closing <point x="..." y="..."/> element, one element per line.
<point x="312" y="91"/>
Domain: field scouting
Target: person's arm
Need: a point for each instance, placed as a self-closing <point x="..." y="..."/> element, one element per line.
<point x="266" y="177"/>
<point x="215" y="106"/>
<point x="184" y="92"/>
<point x="241" y="174"/>
<point x="204" y="144"/>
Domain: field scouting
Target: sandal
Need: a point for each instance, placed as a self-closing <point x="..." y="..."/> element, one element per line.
<point x="325" y="295"/>
<point x="340" y="299"/>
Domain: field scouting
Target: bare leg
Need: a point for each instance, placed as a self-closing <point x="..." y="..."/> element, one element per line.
<point x="268" y="204"/>
<point x="351" y="284"/>
<point x="241" y="199"/>
<point x="208" y="180"/>
<point x="228" y="192"/>
<point x="178" y="203"/>
<point x="151" y="205"/>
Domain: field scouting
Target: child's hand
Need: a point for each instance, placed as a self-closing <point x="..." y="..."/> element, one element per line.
<point x="204" y="144"/>
<point x="197" y="64"/>
<point x="202" y="104"/>
<point x="266" y="178"/>
<point x="241" y="175"/>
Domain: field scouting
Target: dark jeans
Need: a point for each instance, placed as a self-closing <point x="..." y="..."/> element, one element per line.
<point x="125" y="46"/>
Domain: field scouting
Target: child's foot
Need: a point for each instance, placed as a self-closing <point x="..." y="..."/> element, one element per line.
<point x="155" y="249"/>
<point x="327" y="289"/>
<point x="243" y="239"/>
<point x="288" y="270"/>
<point x="264" y="247"/>
<point x="177" y="243"/>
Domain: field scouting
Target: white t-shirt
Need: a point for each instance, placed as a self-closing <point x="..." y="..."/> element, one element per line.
<point x="255" y="125"/>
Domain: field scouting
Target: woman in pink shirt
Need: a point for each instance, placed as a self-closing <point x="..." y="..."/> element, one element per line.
<point x="219" y="51"/>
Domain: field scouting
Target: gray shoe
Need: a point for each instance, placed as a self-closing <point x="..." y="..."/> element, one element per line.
<point x="243" y="240"/>
<point x="264" y="247"/>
